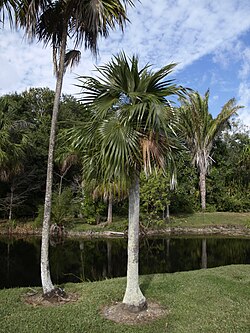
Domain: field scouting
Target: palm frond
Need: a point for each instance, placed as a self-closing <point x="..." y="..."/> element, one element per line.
<point x="72" y="58"/>
<point x="133" y="124"/>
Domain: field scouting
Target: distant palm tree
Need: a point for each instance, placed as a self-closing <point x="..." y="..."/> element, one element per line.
<point x="200" y="130"/>
<point x="54" y="23"/>
<point x="131" y="130"/>
<point x="109" y="192"/>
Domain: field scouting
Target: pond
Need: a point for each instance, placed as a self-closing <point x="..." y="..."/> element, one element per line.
<point x="90" y="260"/>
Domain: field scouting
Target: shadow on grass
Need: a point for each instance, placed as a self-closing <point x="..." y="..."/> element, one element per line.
<point x="146" y="282"/>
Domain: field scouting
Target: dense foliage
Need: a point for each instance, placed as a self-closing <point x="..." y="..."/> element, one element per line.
<point x="25" y="125"/>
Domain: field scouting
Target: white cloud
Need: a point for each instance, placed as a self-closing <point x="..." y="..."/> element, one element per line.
<point x="182" y="32"/>
<point x="244" y="72"/>
<point x="161" y="31"/>
<point x="244" y="100"/>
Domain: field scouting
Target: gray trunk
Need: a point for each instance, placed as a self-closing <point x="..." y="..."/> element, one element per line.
<point x="203" y="189"/>
<point x="133" y="297"/>
<point x="11" y="202"/>
<point x="110" y="209"/>
<point x="45" y="270"/>
<point x="167" y="216"/>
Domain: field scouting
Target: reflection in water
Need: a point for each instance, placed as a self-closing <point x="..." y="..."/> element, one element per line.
<point x="88" y="260"/>
<point x="204" y="254"/>
<point x="81" y="246"/>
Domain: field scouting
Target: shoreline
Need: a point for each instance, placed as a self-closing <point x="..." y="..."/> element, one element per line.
<point x="229" y="231"/>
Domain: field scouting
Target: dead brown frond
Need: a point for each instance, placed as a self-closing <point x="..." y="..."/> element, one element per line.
<point x="151" y="153"/>
<point x="72" y="58"/>
<point x="68" y="162"/>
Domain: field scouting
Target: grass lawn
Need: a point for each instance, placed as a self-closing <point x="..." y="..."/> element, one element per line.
<point x="188" y="220"/>
<point x="212" y="219"/>
<point x="212" y="300"/>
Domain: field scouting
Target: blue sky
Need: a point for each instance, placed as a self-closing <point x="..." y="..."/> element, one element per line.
<point x="210" y="41"/>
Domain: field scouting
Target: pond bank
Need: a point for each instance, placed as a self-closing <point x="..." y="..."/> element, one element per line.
<point x="229" y="231"/>
<point x="235" y="231"/>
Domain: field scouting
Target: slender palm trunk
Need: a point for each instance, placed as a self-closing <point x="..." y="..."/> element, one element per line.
<point x="45" y="270"/>
<point x="203" y="189"/>
<point x="110" y="209"/>
<point x="11" y="201"/>
<point x="60" y="186"/>
<point x="133" y="297"/>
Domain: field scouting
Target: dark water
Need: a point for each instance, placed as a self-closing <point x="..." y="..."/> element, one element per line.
<point x="88" y="260"/>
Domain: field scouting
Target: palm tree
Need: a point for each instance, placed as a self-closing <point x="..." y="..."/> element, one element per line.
<point x="131" y="130"/>
<point x="54" y="23"/>
<point x="200" y="130"/>
<point x="109" y="192"/>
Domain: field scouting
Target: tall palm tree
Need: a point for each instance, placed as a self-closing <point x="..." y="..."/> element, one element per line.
<point x="54" y="23"/>
<point x="131" y="130"/>
<point x="200" y="130"/>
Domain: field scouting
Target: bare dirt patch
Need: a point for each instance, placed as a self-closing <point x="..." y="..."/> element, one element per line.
<point x="120" y="314"/>
<point x="36" y="298"/>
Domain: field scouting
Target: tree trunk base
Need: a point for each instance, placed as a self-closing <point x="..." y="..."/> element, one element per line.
<point x="135" y="308"/>
<point x="54" y="294"/>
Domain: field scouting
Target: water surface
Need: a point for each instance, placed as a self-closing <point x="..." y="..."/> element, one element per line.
<point x="90" y="260"/>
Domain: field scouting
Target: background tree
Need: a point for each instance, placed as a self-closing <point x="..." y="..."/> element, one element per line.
<point x="129" y="132"/>
<point x="199" y="130"/>
<point x="155" y="196"/>
<point x="14" y="145"/>
<point x="31" y="110"/>
<point x="228" y="185"/>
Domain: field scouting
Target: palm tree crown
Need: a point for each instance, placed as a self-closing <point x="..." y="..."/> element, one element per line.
<point x="132" y="119"/>
<point x="83" y="22"/>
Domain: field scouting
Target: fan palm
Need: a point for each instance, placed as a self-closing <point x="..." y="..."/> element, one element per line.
<point x="131" y="130"/>
<point x="200" y="131"/>
<point x="54" y="23"/>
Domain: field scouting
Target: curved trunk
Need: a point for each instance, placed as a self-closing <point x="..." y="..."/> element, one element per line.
<point x="133" y="297"/>
<point x="203" y="189"/>
<point x="45" y="271"/>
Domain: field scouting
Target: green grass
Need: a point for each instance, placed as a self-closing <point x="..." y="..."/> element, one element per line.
<point x="212" y="219"/>
<point x="195" y="220"/>
<point x="212" y="300"/>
